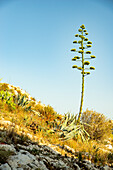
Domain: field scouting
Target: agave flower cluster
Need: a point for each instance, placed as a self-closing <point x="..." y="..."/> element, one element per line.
<point x="85" y="44"/>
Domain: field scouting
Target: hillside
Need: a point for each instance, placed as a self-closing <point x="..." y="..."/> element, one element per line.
<point x="30" y="136"/>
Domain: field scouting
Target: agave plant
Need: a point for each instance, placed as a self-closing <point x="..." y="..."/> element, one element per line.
<point x="7" y="98"/>
<point x="84" y="44"/>
<point x="22" y="101"/>
<point x="70" y="129"/>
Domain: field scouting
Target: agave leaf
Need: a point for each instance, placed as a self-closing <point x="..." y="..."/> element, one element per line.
<point x="73" y="122"/>
<point x="73" y="131"/>
<point x="22" y="100"/>
<point x="87" y="124"/>
<point x="18" y="97"/>
<point x="69" y="136"/>
<point x="50" y="131"/>
<point x="26" y="102"/>
<point x="82" y="136"/>
<point x="86" y="133"/>
<point x="64" y="124"/>
<point x="70" y="128"/>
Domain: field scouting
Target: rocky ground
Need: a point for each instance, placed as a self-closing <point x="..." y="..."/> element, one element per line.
<point x="32" y="156"/>
<point x="16" y="153"/>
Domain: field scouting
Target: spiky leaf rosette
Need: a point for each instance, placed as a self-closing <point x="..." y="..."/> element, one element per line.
<point x="69" y="129"/>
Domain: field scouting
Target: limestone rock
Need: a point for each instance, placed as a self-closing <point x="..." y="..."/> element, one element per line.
<point x="5" y="167"/>
<point x="22" y="158"/>
<point x="7" y="147"/>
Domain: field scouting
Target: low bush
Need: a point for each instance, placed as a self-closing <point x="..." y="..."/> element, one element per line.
<point x="100" y="127"/>
<point x="4" y="155"/>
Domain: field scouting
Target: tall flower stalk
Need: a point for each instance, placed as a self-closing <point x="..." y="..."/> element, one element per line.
<point x="84" y="45"/>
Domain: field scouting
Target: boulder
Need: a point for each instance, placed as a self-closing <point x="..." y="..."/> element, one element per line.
<point x="5" y="167"/>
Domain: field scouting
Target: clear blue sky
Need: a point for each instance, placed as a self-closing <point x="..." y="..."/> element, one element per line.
<point x="35" y="41"/>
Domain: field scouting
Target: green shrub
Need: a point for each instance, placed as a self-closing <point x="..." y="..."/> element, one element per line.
<point x="4" y="155"/>
<point x="100" y="127"/>
<point x="3" y="86"/>
<point x="49" y="113"/>
<point x="110" y="157"/>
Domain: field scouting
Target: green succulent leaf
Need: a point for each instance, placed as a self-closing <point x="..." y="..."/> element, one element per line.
<point x="65" y="123"/>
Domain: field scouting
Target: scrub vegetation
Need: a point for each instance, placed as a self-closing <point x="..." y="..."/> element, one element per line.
<point x="26" y="119"/>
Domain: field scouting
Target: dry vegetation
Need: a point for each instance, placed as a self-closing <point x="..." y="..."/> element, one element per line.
<point x="36" y="124"/>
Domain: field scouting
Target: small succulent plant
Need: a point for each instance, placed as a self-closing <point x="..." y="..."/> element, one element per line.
<point x="70" y="129"/>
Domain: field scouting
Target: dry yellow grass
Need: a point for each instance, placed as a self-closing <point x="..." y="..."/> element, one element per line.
<point x="36" y="128"/>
